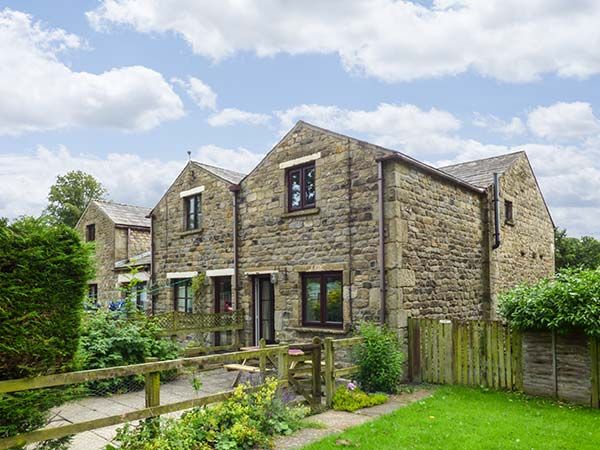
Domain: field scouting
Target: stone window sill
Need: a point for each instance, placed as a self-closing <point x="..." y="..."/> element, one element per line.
<point x="319" y="330"/>
<point x="300" y="213"/>
<point x="190" y="232"/>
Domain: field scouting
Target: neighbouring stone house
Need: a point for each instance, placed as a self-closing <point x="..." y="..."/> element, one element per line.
<point x="328" y="230"/>
<point x="121" y="237"/>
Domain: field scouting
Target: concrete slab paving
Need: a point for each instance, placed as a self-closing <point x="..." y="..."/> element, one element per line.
<point x="337" y="421"/>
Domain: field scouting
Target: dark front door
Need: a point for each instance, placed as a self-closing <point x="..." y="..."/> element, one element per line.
<point x="264" y="309"/>
<point x="222" y="304"/>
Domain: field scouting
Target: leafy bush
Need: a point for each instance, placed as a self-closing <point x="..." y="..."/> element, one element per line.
<point x="110" y="339"/>
<point x="43" y="274"/>
<point x="379" y="359"/>
<point x="248" y="419"/>
<point x="350" y="398"/>
<point x="569" y="302"/>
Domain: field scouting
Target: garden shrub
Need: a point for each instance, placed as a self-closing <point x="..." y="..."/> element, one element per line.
<point x="43" y="274"/>
<point x="110" y="339"/>
<point x="350" y="398"/>
<point x="570" y="301"/>
<point x="379" y="358"/>
<point x="248" y="419"/>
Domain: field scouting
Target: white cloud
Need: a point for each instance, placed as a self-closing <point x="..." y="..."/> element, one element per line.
<point x="564" y="121"/>
<point x="389" y="125"/>
<point x="239" y="159"/>
<point x="39" y="92"/>
<point x="494" y="124"/>
<point x="232" y="116"/>
<point x="26" y="178"/>
<point x="200" y="92"/>
<point x="394" y="40"/>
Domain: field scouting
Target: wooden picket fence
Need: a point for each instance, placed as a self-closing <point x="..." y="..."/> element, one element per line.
<point x="483" y="353"/>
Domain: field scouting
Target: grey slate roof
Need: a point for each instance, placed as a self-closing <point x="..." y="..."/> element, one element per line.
<point x="481" y="171"/>
<point x="226" y="174"/>
<point x="142" y="259"/>
<point x="121" y="214"/>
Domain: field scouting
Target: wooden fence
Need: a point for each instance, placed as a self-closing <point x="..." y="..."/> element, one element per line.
<point x="488" y="353"/>
<point x="301" y="366"/>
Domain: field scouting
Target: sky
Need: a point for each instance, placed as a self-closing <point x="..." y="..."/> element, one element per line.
<point x="123" y="89"/>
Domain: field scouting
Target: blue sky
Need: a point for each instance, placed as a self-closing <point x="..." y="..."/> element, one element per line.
<point x="123" y="88"/>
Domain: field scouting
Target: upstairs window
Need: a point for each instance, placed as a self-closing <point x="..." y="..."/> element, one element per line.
<point x="322" y="299"/>
<point x="90" y="232"/>
<point x="301" y="182"/>
<point x="508" y="212"/>
<point x="182" y="293"/>
<point x="193" y="212"/>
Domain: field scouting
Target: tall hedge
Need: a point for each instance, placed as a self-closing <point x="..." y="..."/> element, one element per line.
<point x="43" y="273"/>
<point x="569" y="302"/>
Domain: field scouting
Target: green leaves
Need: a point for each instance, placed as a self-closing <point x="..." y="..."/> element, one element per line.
<point x="379" y="358"/>
<point x="70" y="195"/>
<point x="569" y="302"/>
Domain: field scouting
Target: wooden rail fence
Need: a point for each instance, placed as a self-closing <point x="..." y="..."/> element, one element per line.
<point x="318" y="358"/>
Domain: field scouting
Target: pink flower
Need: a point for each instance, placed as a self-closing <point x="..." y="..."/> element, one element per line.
<point x="351" y="386"/>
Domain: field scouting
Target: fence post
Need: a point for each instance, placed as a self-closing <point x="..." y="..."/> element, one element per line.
<point x="595" y="367"/>
<point x="283" y="364"/>
<point x="316" y="373"/>
<point x="152" y="386"/>
<point x="329" y="372"/>
<point x="262" y="359"/>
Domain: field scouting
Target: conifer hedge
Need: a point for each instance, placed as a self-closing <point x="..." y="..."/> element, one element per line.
<point x="43" y="274"/>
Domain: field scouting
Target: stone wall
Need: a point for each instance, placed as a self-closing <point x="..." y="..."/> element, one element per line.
<point x="104" y="252"/>
<point x="526" y="252"/>
<point x="436" y="256"/>
<point x="177" y="250"/>
<point x="340" y="234"/>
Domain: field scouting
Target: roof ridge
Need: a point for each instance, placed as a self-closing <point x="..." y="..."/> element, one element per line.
<point x="218" y="167"/>
<point x="119" y="203"/>
<point x="483" y="159"/>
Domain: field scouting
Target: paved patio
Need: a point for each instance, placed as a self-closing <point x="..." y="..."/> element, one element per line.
<point x="96" y="407"/>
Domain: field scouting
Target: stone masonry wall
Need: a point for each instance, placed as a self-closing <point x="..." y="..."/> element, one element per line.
<point x="340" y="234"/>
<point x="177" y="250"/>
<point x="526" y="252"/>
<point x="139" y="242"/>
<point x="104" y="252"/>
<point x="436" y="258"/>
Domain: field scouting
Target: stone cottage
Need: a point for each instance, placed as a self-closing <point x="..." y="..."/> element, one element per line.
<point x="328" y="230"/>
<point x="121" y="237"/>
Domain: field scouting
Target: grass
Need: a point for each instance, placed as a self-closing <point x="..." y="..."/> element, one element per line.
<point x="466" y="418"/>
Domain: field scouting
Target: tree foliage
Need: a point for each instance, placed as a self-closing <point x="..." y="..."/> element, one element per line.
<point x="70" y="195"/>
<point x="43" y="274"/>
<point x="570" y="301"/>
<point x="573" y="252"/>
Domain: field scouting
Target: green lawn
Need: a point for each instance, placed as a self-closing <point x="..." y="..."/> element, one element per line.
<point x="464" y="418"/>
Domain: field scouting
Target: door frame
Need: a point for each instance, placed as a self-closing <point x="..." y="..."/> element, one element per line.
<point x="256" y="310"/>
<point x="216" y="303"/>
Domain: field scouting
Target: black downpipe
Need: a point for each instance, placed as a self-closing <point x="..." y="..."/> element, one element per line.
<point x="496" y="212"/>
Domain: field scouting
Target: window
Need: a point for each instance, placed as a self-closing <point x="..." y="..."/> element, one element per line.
<point x="301" y="187"/>
<point x="93" y="293"/>
<point x="139" y="293"/>
<point x="322" y="299"/>
<point x="508" y="212"/>
<point x="193" y="212"/>
<point x="90" y="232"/>
<point x="182" y="291"/>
